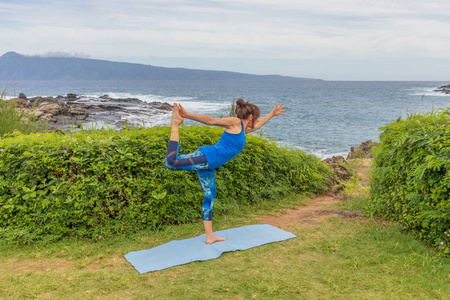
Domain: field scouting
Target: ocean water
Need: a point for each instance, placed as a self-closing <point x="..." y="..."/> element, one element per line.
<point x="324" y="118"/>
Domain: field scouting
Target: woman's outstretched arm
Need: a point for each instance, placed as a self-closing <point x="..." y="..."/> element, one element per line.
<point x="207" y="120"/>
<point x="278" y="110"/>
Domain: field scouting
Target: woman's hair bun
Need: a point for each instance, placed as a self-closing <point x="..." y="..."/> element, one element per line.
<point x="240" y="102"/>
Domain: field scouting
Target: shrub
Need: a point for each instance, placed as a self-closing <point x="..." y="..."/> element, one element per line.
<point x="411" y="181"/>
<point x="98" y="183"/>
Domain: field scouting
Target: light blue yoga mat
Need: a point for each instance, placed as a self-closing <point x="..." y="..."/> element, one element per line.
<point x="176" y="253"/>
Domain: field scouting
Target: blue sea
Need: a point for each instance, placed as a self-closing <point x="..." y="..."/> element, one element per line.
<point x="324" y="118"/>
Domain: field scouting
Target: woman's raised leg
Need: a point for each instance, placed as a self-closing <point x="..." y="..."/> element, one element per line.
<point x="186" y="162"/>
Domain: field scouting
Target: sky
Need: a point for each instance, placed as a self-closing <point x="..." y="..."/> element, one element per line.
<point x="327" y="39"/>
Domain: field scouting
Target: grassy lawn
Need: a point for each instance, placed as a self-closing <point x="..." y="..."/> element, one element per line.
<point x="335" y="258"/>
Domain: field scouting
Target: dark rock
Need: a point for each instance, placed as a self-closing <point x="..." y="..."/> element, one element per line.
<point x="40" y="100"/>
<point x="363" y="151"/>
<point x="93" y="108"/>
<point x="161" y="106"/>
<point x="71" y="97"/>
<point x="22" y="96"/>
<point x="108" y="107"/>
<point x="123" y="100"/>
<point x="341" y="174"/>
<point x="443" y="89"/>
<point x="128" y="100"/>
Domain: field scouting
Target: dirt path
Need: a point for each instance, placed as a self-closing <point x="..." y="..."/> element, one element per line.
<point x="322" y="206"/>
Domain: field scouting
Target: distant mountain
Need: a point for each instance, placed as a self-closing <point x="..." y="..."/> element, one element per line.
<point x="14" y="66"/>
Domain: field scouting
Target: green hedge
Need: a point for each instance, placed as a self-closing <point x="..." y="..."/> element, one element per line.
<point x="411" y="181"/>
<point x="93" y="184"/>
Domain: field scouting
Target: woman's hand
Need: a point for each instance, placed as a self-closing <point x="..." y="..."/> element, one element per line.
<point x="181" y="110"/>
<point x="278" y="110"/>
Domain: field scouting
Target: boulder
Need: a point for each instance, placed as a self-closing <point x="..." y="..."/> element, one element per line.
<point x="47" y="110"/>
<point x="78" y="110"/>
<point x="363" y="151"/>
<point x="21" y="103"/>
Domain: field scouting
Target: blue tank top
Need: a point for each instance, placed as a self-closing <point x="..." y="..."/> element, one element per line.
<point x="229" y="145"/>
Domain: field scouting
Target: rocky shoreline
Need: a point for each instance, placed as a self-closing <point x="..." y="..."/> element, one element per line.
<point x="103" y="111"/>
<point x="443" y="89"/>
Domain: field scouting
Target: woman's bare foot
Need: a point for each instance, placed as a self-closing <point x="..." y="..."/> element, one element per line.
<point x="176" y="118"/>
<point x="211" y="239"/>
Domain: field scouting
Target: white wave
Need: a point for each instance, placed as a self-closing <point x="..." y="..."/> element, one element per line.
<point x="324" y="153"/>
<point x="204" y="107"/>
<point x="323" y="156"/>
<point x="320" y="153"/>
<point x="144" y="97"/>
<point x="190" y="103"/>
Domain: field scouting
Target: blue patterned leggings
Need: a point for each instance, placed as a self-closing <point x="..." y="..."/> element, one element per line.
<point x="195" y="161"/>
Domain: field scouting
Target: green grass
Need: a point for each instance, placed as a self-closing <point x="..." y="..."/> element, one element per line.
<point x="356" y="187"/>
<point x="12" y="119"/>
<point x="337" y="259"/>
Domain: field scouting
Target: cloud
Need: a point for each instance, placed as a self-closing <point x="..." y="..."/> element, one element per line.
<point x="63" y="54"/>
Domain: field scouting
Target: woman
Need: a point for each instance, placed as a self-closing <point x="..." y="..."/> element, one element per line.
<point x="208" y="158"/>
